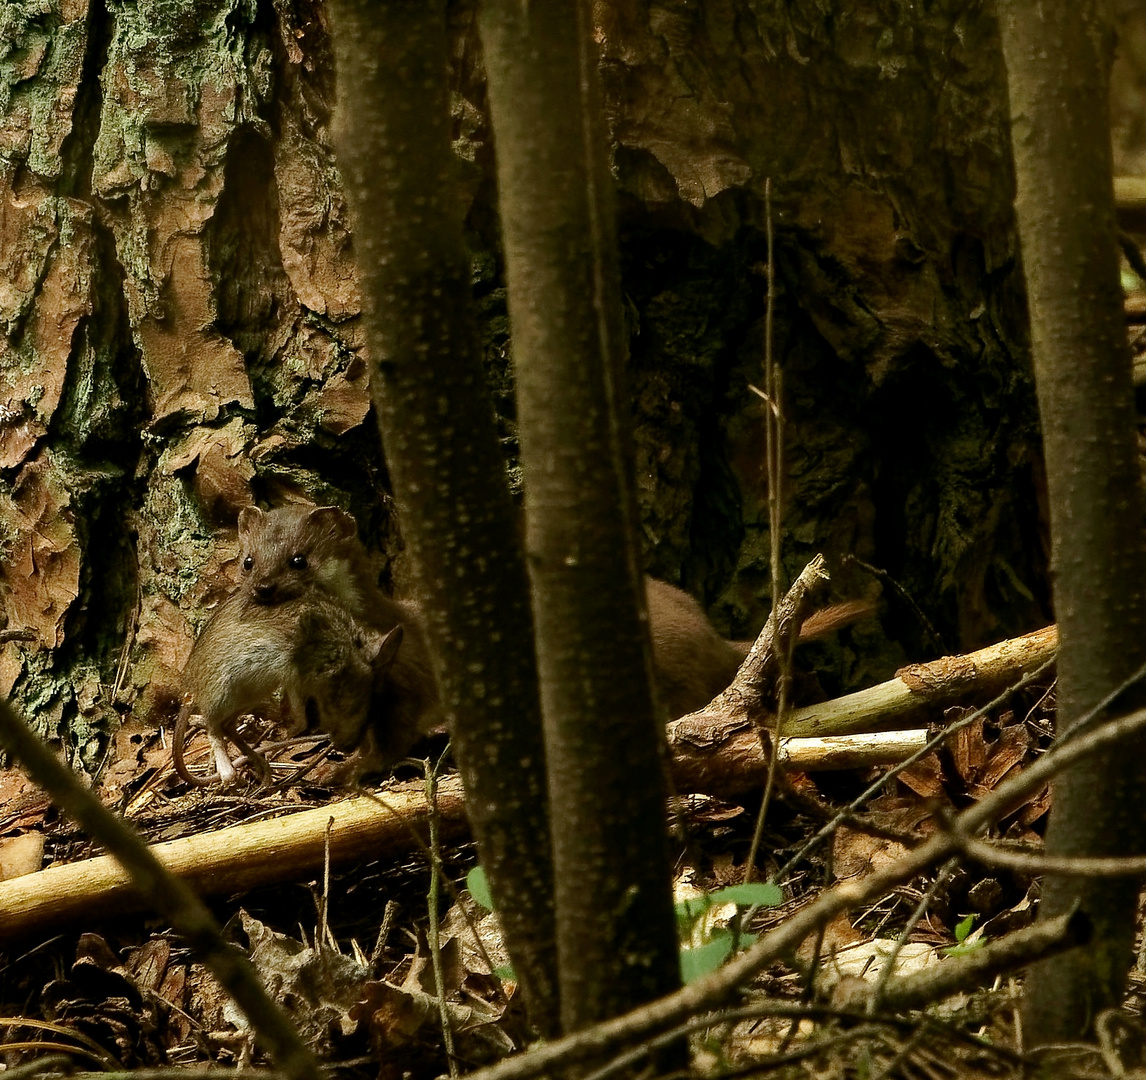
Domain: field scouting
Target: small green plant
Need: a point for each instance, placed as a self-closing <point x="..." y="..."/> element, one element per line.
<point x="962" y="945"/>
<point x="711" y="946"/>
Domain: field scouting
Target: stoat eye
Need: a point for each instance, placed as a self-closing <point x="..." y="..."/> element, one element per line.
<point x="248" y="563"/>
<point x="298" y="562"/>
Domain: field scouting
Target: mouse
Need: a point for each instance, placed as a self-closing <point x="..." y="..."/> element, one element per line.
<point x="306" y="659"/>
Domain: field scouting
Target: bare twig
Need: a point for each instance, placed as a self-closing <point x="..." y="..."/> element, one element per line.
<point x="128" y="640"/>
<point x="774" y="455"/>
<point x="166" y="893"/>
<point x="884" y="978"/>
<point x="746" y="695"/>
<point x="389" y="914"/>
<point x="904" y="595"/>
<point x="1033" y="862"/>
<point x="323" y="927"/>
<point x="434" y="940"/>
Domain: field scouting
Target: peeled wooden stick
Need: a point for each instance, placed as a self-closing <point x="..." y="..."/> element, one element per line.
<point x="919" y="688"/>
<point x="858" y="751"/>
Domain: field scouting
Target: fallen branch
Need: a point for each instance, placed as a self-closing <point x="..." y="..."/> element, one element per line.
<point x="851" y="751"/>
<point x="930" y="687"/>
<point x="724" y="756"/>
<point x="760" y="671"/>
<point x="228" y="860"/>
<point x="717" y="749"/>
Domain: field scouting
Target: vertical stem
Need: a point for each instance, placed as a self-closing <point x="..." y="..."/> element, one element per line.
<point x="1057" y="58"/>
<point x="616" y="935"/>
<point x="432" y="935"/>
<point x="442" y="452"/>
<point x="773" y="451"/>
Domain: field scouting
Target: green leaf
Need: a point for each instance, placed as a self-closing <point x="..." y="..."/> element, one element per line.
<point x="688" y="911"/>
<point x="964" y="927"/>
<point x="965" y="948"/>
<point x="762" y="893"/>
<point x="479" y="887"/>
<point x="704" y="958"/>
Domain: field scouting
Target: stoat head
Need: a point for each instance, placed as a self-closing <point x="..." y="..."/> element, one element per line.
<point x="287" y="552"/>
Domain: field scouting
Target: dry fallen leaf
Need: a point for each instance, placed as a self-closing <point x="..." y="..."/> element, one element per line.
<point x="20" y="855"/>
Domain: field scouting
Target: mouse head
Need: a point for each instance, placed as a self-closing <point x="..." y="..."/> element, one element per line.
<point x="339" y="673"/>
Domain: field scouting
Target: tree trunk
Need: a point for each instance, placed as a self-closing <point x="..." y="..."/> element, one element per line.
<point x="911" y="434"/>
<point x="616" y="935"/>
<point x="1057" y="61"/>
<point x="445" y="464"/>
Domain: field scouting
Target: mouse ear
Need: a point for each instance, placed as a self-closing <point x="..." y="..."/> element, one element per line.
<point x="312" y="623"/>
<point x="337" y="523"/>
<point x="249" y="519"/>
<point x="382" y="648"/>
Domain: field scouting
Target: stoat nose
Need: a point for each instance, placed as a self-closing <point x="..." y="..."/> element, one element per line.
<point x="265" y="592"/>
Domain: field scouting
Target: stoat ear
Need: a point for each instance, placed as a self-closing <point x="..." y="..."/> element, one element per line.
<point x="382" y="648"/>
<point x="250" y="517"/>
<point x="336" y="523"/>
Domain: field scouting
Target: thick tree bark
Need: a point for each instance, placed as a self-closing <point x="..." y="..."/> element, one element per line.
<point x="1057" y="61"/>
<point x="616" y="933"/>
<point x="174" y="335"/>
<point x="446" y="467"/>
<point x="911" y="435"/>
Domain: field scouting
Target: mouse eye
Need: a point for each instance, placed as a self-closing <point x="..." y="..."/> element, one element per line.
<point x="298" y="562"/>
<point x="248" y="563"/>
